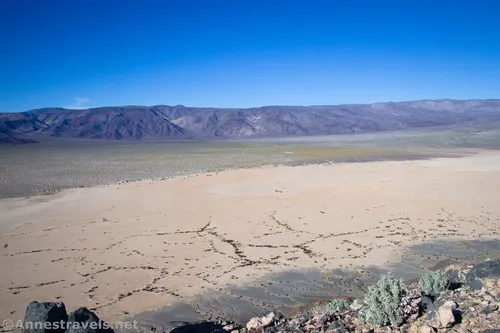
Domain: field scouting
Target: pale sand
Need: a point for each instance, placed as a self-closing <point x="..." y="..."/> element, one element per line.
<point x="123" y="249"/>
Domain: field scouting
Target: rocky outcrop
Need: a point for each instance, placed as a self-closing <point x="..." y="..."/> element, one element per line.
<point x="48" y="317"/>
<point x="83" y="320"/>
<point x="463" y="309"/>
<point x="482" y="274"/>
<point x="45" y="317"/>
<point x="444" y="317"/>
<point x="262" y="322"/>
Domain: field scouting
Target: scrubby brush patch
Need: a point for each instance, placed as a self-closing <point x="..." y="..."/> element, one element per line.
<point x="433" y="283"/>
<point x="337" y="305"/>
<point x="383" y="302"/>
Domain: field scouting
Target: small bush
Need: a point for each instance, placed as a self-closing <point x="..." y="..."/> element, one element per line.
<point x="337" y="305"/>
<point x="382" y="302"/>
<point x="433" y="283"/>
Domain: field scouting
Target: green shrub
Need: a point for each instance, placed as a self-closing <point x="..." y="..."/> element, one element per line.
<point x="433" y="283"/>
<point x="382" y="302"/>
<point x="337" y="305"/>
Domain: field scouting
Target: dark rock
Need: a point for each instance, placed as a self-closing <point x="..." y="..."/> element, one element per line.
<point x="483" y="270"/>
<point x="39" y="316"/>
<point x="454" y="285"/>
<point x="85" y="321"/>
<point x="428" y="304"/>
<point x="456" y="276"/>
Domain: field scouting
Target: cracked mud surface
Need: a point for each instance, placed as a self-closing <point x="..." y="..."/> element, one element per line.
<point x="291" y="290"/>
<point x="128" y="248"/>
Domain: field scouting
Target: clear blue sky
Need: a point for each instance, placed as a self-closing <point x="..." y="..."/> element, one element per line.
<point x="245" y="53"/>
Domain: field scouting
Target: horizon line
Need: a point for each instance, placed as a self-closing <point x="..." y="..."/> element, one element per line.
<point x="252" y="107"/>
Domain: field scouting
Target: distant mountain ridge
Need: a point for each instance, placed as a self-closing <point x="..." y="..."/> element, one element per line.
<point x="164" y="122"/>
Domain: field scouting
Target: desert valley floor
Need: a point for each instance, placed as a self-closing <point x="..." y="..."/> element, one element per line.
<point x="126" y="248"/>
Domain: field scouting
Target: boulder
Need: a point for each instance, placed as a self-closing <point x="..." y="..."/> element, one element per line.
<point x="261" y="322"/>
<point x="83" y="320"/>
<point x="45" y="317"/>
<point x="428" y="304"/>
<point x="487" y="269"/>
<point x="458" y="274"/>
<point x="444" y="317"/>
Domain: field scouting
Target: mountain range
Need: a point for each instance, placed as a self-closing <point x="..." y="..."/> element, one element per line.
<point x="163" y="122"/>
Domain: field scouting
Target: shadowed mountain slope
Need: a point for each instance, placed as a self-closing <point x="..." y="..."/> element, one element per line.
<point x="179" y="122"/>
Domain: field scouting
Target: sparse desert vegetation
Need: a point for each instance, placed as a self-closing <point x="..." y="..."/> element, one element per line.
<point x="433" y="283"/>
<point x="390" y="305"/>
<point x="61" y="163"/>
<point x="188" y="240"/>
<point x="337" y="305"/>
<point x="383" y="302"/>
<point x="174" y="220"/>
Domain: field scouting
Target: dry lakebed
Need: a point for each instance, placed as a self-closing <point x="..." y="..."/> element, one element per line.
<point x="238" y="242"/>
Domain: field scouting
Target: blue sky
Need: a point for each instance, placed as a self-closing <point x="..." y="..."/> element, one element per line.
<point x="88" y="53"/>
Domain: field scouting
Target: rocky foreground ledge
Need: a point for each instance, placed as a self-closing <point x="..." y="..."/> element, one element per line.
<point x="465" y="298"/>
<point x="460" y="298"/>
<point x="52" y="317"/>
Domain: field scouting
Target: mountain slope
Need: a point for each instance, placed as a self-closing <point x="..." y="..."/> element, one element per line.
<point x="167" y="122"/>
<point x="107" y="123"/>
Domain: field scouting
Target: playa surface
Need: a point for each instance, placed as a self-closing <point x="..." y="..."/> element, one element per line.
<point x="127" y="248"/>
